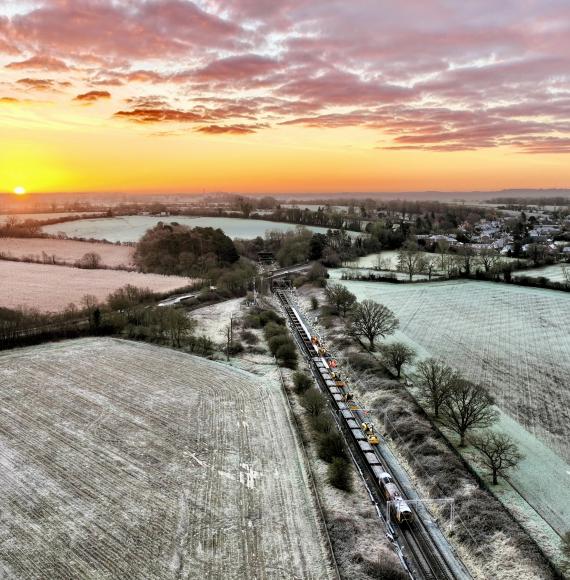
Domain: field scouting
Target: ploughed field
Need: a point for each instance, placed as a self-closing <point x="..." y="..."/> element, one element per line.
<point x="50" y="288"/>
<point x="68" y="251"/>
<point x="514" y="340"/>
<point x="126" y="460"/>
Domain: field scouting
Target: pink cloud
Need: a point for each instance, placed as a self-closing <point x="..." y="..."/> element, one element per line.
<point x="428" y="74"/>
<point x="92" y="96"/>
<point x="39" y="62"/>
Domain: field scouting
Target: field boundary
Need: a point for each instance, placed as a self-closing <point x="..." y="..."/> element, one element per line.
<point x="310" y="473"/>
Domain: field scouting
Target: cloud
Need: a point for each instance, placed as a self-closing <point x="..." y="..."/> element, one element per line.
<point x="153" y="29"/>
<point x="9" y="101"/>
<point x="38" y="62"/>
<point x="229" y="129"/>
<point x="92" y="96"/>
<point x="422" y="74"/>
<point x="43" y="84"/>
<point x="149" y="116"/>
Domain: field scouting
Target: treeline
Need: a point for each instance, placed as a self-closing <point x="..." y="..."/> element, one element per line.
<point x="451" y="400"/>
<point x="15" y="227"/>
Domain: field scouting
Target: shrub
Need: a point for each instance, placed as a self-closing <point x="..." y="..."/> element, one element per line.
<point x="313" y="401"/>
<point x="274" y="329"/>
<point x="236" y="347"/>
<point x="330" y="446"/>
<point x="322" y="423"/>
<point x="276" y="342"/>
<point x="269" y="316"/>
<point x="287" y="355"/>
<point x="339" y="474"/>
<point x="249" y="337"/>
<point x="302" y="382"/>
<point x="314" y="303"/>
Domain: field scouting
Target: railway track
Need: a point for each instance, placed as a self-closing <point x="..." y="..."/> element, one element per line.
<point x="419" y="550"/>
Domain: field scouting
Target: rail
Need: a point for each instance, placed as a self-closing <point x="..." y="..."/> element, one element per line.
<point x="425" y="559"/>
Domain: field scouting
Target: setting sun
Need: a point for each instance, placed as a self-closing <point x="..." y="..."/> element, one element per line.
<point x="19" y="190"/>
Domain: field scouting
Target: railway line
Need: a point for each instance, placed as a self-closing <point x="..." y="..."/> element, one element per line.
<point x="416" y="538"/>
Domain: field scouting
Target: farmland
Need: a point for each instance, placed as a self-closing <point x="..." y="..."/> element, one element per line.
<point x="22" y="217"/>
<point x="125" y="460"/>
<point x="132" y="228"/>
<point x="553" y="273"/>
<point x="515" y="341"/>
<point x="51" y="288"/>
<point x="494" y="339"/>
<point x="67" y="251"/>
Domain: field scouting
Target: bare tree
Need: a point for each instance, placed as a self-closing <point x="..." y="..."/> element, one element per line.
<point x="499" y="453"/>
<point x="429" y="265"/>
<point x="90" y="304"/>
<point x="410" y="260"/>
<point x="467" y="406"/>
<point x="436" y="380"/>
<point x="90" y="260"/>
<point x="465" y="258"/>
<point x="443" y="251"/>
<point x="371" y="320"/>
<point x="565" y="272"/>
<point x="488" y="258"/>
<point x="340" y="297"/>
<point x="398" y="354"/>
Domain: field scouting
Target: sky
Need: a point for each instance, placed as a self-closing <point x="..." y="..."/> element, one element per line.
<point x="277" y="96"/>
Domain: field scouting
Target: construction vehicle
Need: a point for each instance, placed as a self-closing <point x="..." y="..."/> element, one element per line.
<point x="368" y="429"/>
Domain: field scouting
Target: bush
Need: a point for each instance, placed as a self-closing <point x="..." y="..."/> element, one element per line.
<point x="322" y="423"/>
<point x="249" y="337"/>
<point x="274" y="329"/>
<point x="339" y="474"/>
<point x="313" y="401"/>
<point x="314" y="303"/>
<point x="331" y="445"/>
<point x="302" y="382"/>
<point x="266" y="316"/>
<point x="287" y="355"/>
<point x="236" y="347"/>
<point x="276" y="342"/>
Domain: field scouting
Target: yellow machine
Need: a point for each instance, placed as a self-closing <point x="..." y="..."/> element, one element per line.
<point x="368" y="429"/>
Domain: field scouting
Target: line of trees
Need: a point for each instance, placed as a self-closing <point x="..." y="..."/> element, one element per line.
<point x="330" y="445"/>
<point x="453" y="401"/>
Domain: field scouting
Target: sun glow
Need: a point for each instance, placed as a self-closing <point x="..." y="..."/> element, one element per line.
<point x="19" y="190"/>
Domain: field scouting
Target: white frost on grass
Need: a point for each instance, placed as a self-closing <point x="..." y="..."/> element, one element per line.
<point x="67" y="251"/>
<point x="213" y="320"/>
<point x="51" y="288"/>
<point x="131" y="228"/>
<point x="552" y="273"/>
<point x="152" y="492"/>
<point x="515" y="341"/>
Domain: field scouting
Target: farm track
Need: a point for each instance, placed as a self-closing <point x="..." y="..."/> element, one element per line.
<point x="125" y="460"/>
<point x="423" y="556"/>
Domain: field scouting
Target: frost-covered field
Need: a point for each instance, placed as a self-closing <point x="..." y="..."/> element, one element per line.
<point x="513" y="339"/>
<point x="22" y="217"/>
<point x="125" y="460"/>
<point x="52" y="288"/>
<point x="66" y="250"/>
<point x="132" y="228"/>
<point x="552" y="273"/>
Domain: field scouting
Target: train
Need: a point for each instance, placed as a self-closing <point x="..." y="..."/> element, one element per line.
<point x="348" y="408"/>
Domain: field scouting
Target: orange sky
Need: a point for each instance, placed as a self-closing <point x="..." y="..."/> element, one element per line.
<point x="258" y="106"/>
